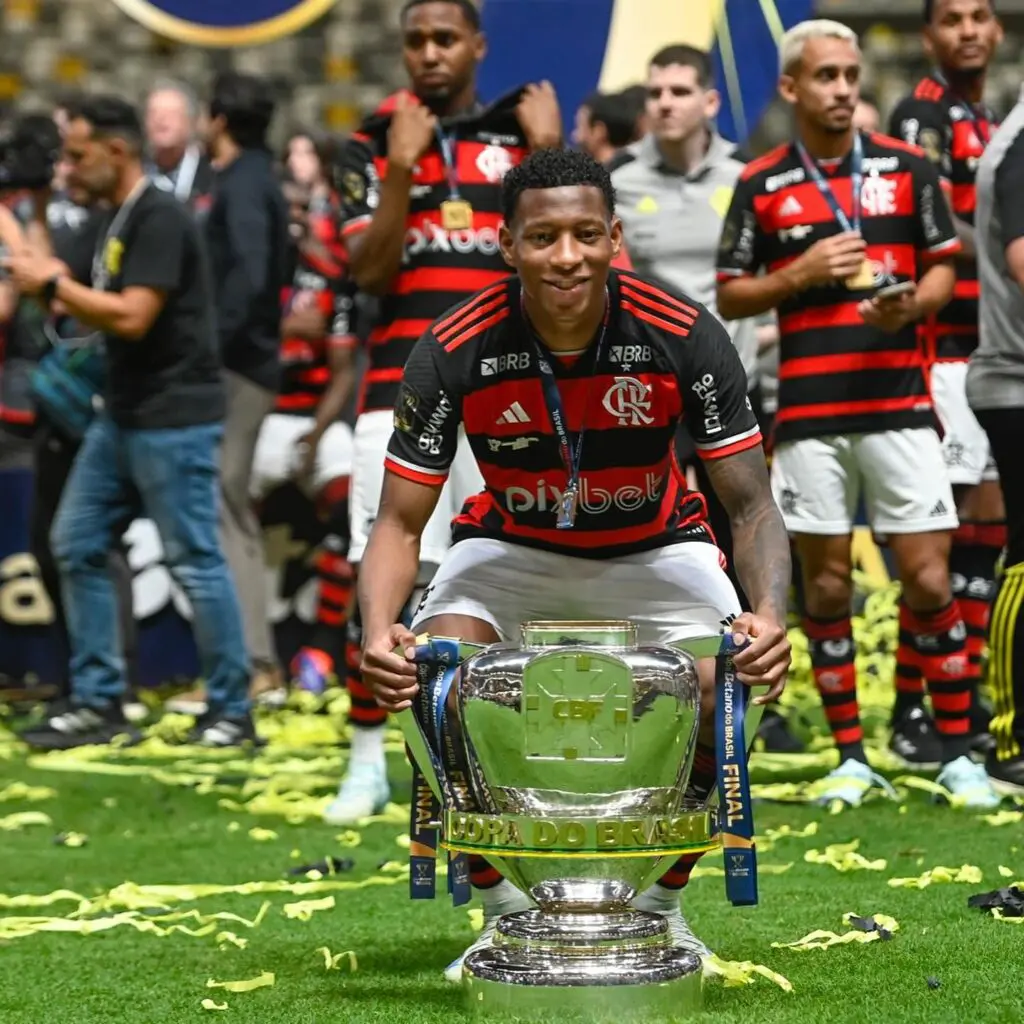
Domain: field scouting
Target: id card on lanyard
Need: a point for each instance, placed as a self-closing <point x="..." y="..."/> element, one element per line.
<point x="103" y="260"/>
<point x="865" y="277"/>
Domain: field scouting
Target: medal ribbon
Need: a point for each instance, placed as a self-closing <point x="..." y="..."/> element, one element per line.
<point x="984" y="134"/>
<point x="735" y="812"/>
<point x="856" y="181"/>
<point x="571" y="455"/>
<point x="448" y="145"/>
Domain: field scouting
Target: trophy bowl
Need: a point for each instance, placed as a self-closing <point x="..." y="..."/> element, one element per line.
<point x="564" y="761"/>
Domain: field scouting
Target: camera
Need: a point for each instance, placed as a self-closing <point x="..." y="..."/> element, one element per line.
<point x="29" y="150"/>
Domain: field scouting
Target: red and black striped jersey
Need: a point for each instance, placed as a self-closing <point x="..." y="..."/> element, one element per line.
<point x="837" y="375"/>
<point x="305" y="365"/>
<point x="440" y="267"/>
<point x="953" y="135"/>
<point x="664" y="359"/>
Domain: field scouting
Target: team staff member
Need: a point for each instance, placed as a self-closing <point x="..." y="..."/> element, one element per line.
<point x="175" y="159"/>
<point x="605" y="125"/>
<point x="607" y="530"/>
<point x="672" y="199"/>
<point x="421" y="190"/>
<point x="247" y="237"/>
<point x="832" y="218"/>
<point x="946" y="117"/>
<point x="995" y="389"/>
<point x="154" y="448"/>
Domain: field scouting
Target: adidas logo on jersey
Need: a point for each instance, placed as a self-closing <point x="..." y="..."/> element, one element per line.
<point x="791" y="207"/>
<point x="515" y="413"/>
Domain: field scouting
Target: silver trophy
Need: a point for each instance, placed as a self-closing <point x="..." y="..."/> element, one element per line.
<point x="564" y="761"/>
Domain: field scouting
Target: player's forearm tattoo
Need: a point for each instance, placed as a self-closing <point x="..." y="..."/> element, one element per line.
<point x="760" y="542"/>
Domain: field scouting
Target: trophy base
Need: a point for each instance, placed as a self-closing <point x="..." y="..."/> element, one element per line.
<point x="583" y="966"/>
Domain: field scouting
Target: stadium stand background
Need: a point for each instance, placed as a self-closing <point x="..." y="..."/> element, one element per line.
<point x="349" y="60"/>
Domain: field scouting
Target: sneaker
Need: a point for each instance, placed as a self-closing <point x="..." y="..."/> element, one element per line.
<point x="267" y="687"/>
<point x="192" y="703"/>
<point x="915" y="740"/>
<point x="504" y="899"/>
<point x="217" y="730"/>
<point x="665" y="902"/>
<point x="774" y="737"/>
<point x="363" y="792"/>
<point x="1007" y="776"/>
<point x="850" y="783"/>
<point x="312" y="670"/>
<point x="453" y="972"/>
<point x="69" y="724"/>
<point x="969" y="784"/>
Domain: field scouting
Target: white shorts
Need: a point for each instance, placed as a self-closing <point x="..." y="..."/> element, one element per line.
<point x="276" y="456"/>
<point x="965" y="443"/>
<point x="817" y="483"/>
<point x="671" y="593"/>
<point x="372" y="434"/>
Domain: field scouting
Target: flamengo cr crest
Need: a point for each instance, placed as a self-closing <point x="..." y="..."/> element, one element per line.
<point x="627" y="400"/>
<point x="494" y="162"/>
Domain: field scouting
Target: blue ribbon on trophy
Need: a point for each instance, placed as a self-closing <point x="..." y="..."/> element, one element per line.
<point x="437" y="665"/>
<point x="735" y="813"/>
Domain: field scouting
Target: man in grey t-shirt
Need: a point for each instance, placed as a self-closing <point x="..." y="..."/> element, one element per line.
<point x="995" y="391"/>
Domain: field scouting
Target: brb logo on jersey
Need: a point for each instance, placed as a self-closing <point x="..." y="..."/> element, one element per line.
<point x="225" y="24"/>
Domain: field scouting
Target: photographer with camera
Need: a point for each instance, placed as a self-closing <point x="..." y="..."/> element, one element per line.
<point x="140" y="278"/>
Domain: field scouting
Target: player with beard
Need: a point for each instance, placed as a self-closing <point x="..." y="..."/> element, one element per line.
<point x="421" y="205"/>
<point x="856" y="246"/>
<point x="945" y="115"/>
<point x="583" y="514"/>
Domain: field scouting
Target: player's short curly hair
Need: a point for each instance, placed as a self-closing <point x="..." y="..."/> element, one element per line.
<point x="555" y="168"/>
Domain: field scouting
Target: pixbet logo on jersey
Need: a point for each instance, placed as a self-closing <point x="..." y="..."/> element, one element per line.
<point x="595" y="501"/>
<point x="433" y="238"/>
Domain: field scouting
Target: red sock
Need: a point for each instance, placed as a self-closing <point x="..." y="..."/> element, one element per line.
<point x="910" y="688"/>
<point x="364" y="711"/>
<point x="678" y="875"/>
<point x="940" y="643"/>
<point x="831" y="645"/>
<point x="481" y="874"/>
<point x="335" y="575"/>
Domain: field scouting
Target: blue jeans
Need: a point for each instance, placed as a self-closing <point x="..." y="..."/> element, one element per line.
<point x="171" y="477"/>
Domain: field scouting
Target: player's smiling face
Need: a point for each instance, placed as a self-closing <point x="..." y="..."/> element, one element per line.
<point x="562" y="242"/>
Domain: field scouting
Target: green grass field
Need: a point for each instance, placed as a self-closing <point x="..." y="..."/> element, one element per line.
<point x="174" y="820"/>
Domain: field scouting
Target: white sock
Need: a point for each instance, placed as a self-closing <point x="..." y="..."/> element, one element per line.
<point x="503" y="898"/>
<point x="367" y="745"/>
<point x="658" y="899"/>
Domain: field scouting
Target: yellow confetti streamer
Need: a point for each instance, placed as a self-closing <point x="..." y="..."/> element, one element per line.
<point x="349" y="838"/>
<point x="225" y="939"/>
<point x="844" y="857"/>
<point x="264" y="980"/>
<point x="998" y="914"/>
<point x="967" y="873"/>
<point x="305" y="909"/>
<point x="741" y="972"/>
<point x="1006" y="872"/>
<point x="73" y="839"/>
<point x="476" y="919"/>
<point x="262" y="835"/>
<point x="1004" y="818"/>
<point x="822" y="939"/>
<point x="21" y="791"/>
<point x="332" y="961"/>
<point x="24" y="819"/>
<point x="209" y="1004"/>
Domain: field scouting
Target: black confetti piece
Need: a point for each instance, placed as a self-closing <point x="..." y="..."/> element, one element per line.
<point x="327" y="866"/>
<point x="933" y="982"/>
<point x="1010" y="901"/>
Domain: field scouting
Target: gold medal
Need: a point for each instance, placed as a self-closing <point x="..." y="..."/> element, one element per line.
<point x="863" y="279"/>
<point x="456" y="215"/>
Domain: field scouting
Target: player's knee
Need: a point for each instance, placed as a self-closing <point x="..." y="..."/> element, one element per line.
<point x="926" y="583"/>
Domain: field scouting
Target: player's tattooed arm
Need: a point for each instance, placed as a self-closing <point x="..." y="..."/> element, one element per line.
<point x="760" y="541"/>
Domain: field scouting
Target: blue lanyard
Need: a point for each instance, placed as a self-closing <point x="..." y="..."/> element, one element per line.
<point x="735" y="811"/>
<point x="972" y="114"/>
<point x="571" y="455"/>
<point x="856" y="181"/>
<point x="448" y="145"/>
